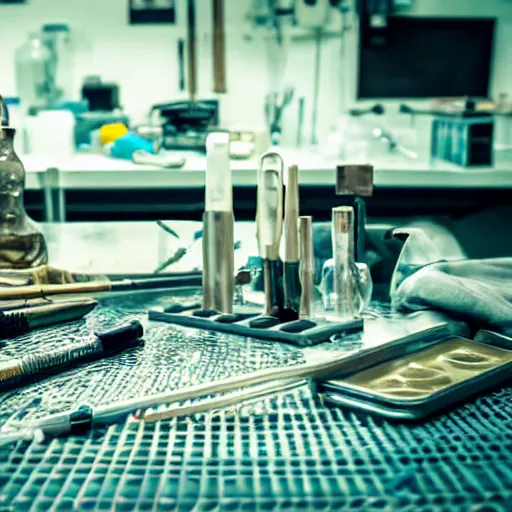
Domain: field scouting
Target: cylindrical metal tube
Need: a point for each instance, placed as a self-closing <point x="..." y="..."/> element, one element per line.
<point x="273" y="286"/>
<point x="218" y="261"/>
<point x="291" y="214"/>
<point x="307" y="264"/>
<point x="291" y="276"/>
<point x="345" y="280"/>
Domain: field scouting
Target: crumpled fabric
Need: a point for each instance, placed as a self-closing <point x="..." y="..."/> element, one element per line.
<point x="478" y="292"/>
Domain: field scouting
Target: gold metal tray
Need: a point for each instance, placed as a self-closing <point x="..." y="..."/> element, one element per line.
<point x="430" y="379"/>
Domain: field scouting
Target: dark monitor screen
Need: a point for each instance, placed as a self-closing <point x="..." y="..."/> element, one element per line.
<point x="426" y="58"/>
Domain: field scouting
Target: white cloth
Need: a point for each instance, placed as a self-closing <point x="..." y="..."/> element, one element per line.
<point x="476" y="291"/>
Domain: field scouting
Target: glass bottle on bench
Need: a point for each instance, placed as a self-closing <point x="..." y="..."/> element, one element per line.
<point x="22" y="244"/>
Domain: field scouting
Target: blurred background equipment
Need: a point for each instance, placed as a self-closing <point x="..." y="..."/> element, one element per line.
<point x="464" y="138"/>
<point x="325" y="79"/>
<point x="100" y="96"/>
<point x="275" y="104"/>
<point x="312" y="14"/>
<point x="425" y="57"/>
<point x="43" y="65"/>
<point x="152" y="11"/>
<point x="185" y="124"/>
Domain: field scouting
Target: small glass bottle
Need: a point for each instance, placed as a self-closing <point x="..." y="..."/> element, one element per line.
<point x="22" y="245"/>
<point x="352" y="283"/>
<point x="35" y="79"/>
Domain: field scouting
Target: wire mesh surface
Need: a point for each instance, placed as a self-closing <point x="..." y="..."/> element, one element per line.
<point x="285" y="453"/>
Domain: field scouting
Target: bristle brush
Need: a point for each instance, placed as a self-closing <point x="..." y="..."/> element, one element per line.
<point x="16" y="372"/>
<point x="13" y="325"/>
<point x="18" y="322"/>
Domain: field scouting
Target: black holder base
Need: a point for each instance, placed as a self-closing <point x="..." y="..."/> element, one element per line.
<point x="301" y="333"/>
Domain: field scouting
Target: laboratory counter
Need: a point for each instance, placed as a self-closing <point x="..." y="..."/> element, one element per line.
<point x="95" y="187"/>
<point x="290" y="451"/>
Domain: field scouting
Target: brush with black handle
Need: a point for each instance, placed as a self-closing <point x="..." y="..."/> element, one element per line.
<point x="16" y="372"/>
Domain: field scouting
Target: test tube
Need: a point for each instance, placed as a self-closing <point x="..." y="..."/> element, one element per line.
<point x="218" y="226"/>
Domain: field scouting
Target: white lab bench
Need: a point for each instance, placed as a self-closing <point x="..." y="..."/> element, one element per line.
<point x="97" y="172"/>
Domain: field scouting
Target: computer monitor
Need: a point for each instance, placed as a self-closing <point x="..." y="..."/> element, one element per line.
<point x="426" y="58"/>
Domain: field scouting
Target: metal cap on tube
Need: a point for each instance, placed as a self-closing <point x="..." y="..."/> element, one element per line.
<point x="343" y="219"/>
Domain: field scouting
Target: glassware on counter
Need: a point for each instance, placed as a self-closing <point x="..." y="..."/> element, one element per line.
<point x="22" y="245"/>
<point x="43" y="68"/>
<point x="33" y="80"/>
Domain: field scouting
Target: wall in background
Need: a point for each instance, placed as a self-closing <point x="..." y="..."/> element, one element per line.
<point x="143" y="59"/>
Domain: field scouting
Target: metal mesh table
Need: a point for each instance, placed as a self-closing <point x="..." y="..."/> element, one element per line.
<point x="285" y="453"/>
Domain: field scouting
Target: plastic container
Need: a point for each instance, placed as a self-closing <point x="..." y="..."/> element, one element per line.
<point x="51" y="133"/>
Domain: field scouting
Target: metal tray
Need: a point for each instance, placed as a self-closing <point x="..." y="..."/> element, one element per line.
<point x="425" y="380"/>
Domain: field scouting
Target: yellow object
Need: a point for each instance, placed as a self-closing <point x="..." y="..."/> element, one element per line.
<point x="111" y="132"/>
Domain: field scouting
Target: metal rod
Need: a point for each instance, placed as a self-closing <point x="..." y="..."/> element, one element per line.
<point x="219" y="61"/>
<point x="181" y="65"/>
<point x="300" y="122"/>
<point x="218" y="261"/>
<point x="291" y="277"/>
<point x="316" y="90"/>
<point x="191" y="47"/>
<point x="307" y="265"/>
<point x="291" y="214"/>
<point x="246" y="396"/>
<point x="218" y="226"/>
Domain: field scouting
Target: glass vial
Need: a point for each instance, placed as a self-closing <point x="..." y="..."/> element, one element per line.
<point x="347" y="299"/>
